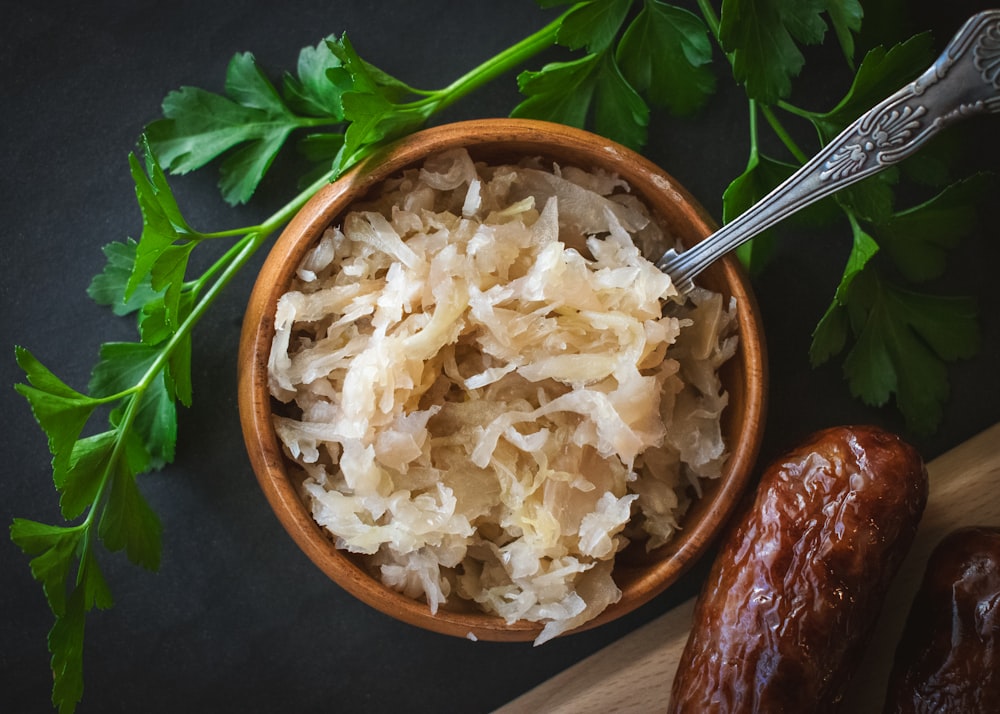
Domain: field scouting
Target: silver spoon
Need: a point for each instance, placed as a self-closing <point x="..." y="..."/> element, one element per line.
<point x="964" y="81"/>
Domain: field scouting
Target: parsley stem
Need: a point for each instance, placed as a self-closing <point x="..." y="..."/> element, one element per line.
<point x="230" y="232"/>
<point x="783" y="134"/>
<point x="793" y="109"/>
<point x="506" y="60"/>
<point x="285" y="213"/>
<point x="195" y="286"/>
<point x="711" y="19"/>
<point x="230" y="264"/>
<point x="306" y="122"/>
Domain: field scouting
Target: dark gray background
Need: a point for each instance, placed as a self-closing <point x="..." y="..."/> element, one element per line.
<point x="237" y="619"/>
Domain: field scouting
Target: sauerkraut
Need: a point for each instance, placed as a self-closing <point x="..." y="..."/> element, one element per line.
<point x="490" y="390"/>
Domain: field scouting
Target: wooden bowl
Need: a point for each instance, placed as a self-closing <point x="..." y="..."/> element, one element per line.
<point x="640" y="576"/>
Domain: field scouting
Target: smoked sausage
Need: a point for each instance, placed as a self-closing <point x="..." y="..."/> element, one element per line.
<point x="798" y="582"/>
<point x="948" y="659"/>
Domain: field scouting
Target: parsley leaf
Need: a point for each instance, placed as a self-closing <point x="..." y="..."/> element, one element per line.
<point x="919" y="238"/>
<point x="66" y="645"/>
<point x="166" y="241"/>
<point x="666" y="53"/>
<point x="54" y="548"/>
<point x="593" y="25"/>
<point x="82" y="481"/>
<point x="130" y="524"/>
<point x="60" y="410"/>
<point x="764" y="54"/>
<point x="125" y="364"/>
<point x="619" y="112"/>
<point x="200" y="126"/>
<point x="109" y="287"/>
<point x="568" y="92"/>
<point x="757" y="180"/>
<point x="371" y="105"/>
<point x="904" y="339"/>
<point x="763" y="36"/>
<point x="559" y="92"/>
<point x="881" y="73"/>
<point x="846" y="20"/>
<point x="830" y="335"/>
<point x="311" y="92"/>
<point x="872" y="199"/>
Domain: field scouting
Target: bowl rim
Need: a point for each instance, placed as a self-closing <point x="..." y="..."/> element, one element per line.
<point x="265" y="453"/>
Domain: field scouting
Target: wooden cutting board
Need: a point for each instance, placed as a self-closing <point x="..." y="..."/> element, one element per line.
<point x="635" y="673"/>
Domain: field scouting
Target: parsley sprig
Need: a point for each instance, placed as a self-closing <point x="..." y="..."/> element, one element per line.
<point x="624" y="57"/>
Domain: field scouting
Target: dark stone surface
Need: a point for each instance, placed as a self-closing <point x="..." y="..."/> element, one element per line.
<point x="237" y="619"/>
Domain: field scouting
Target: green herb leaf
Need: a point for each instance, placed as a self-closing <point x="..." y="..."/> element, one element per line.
<point x="903" y="340"/>
<point x="371" y="105"/>
<point x="846" y="16"/>
<point x="152" y="322"/>
<point x="200" y="126"/>
<point x="830" y="335"/>
<point x="321" y="147"/>
<point x="109" y="286"/>
<point x="619" y="112"/>
<point x="177" y="377"/>
<point x="166" y="241"/>
<point x="919" y="239"/>
<point x="85" y="473"/>
<point x="154" y="330"/>
<point x="54" y="548"/>
<point x="872" y="199"/>
<point x="863" y="249"/>
<point x="122" y="366"/>
<point x="666" y="54"/>
<point x="156" y="421"/>
<point x="96" y="592"/>
<point x="763" y="36"/>
<point x="559" y="92"/>
<point x="129" y="523"/>
<point x="66" y="646"/>
<point x="881" y="73"/>
<point x="761" y="176"/>
<point x="593" y="25"/>
<point x="60" y="411"/>
<point x="360" y="76"/>
<point x="764" y="54"/>
<point x="311" y="92"/>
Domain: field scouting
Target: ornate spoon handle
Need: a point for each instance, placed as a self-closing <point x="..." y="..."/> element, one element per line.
<point x="964" y="81"/>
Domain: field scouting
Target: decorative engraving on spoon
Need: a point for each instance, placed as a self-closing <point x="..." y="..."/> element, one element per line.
<point x="964" y="81"/>
<point x="987" y="54"/>
<point x="894" y="130"/>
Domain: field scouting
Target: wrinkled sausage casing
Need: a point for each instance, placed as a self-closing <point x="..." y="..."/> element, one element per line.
<point x="798" y="582"/>
<point x="948" y="659"/>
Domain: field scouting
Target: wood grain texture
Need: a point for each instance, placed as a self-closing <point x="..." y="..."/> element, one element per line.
<point x="636" y="673"/>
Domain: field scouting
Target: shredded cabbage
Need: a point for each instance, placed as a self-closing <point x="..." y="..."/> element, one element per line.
<point x="492" y="390"/>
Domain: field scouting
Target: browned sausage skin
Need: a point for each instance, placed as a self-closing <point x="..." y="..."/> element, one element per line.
<point x="948" y="659"/>
<point x="798" y="582"/>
